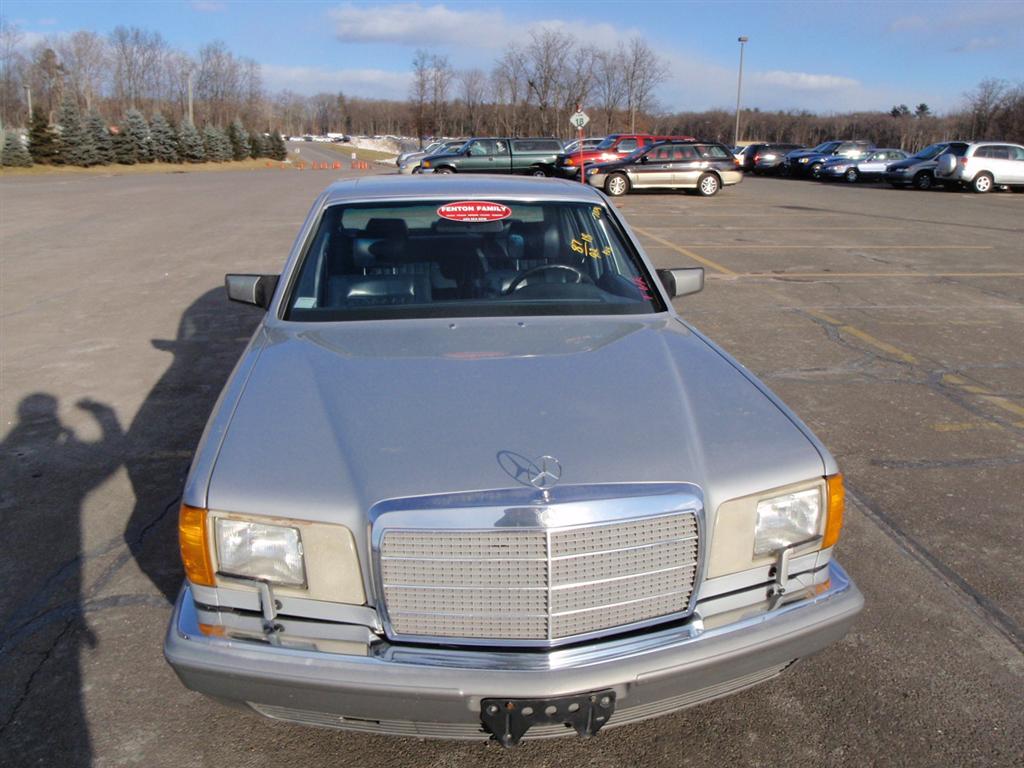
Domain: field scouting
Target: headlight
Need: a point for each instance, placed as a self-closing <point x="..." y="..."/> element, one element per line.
<point x="425" y="164"/>
<point x="258" y="551"/>
<point x="786" y="520"/>
<point x="803" y="159"/>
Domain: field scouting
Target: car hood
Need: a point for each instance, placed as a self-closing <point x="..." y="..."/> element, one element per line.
<point x="337" y="417"/>
<point x="910" y="162"/>
<point x="798" y="153"/>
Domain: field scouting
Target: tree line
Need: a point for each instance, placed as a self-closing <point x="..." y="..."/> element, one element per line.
<point x="531" y="89"/>
<point x="88" y="140"/>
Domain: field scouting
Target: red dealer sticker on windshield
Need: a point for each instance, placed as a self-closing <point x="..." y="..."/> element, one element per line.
<point x="473" y="211"/>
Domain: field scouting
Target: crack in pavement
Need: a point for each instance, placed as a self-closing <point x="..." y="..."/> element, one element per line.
<point x="984" y="608"/>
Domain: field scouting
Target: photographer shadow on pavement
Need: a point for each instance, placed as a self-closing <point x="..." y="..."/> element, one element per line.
<point x="46" y="473"/>
<point x="164" y="433"/>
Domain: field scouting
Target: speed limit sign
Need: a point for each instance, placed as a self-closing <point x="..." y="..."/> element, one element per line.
<point x="579" y="119"/>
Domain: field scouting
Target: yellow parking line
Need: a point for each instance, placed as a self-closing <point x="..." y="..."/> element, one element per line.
<point x="985" y="394"/>
<point x="864" y="336"/>
<point x="848" y="247"/>
<point x="686" y="252"/>
<point x="869" y="275"/>
<point x="964" y="426"/>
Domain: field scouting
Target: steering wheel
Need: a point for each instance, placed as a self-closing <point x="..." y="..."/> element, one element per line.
<point x="517" y="283"/>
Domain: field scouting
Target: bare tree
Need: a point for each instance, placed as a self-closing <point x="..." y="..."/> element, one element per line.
<point x="12" y="73"/>
<point x="644" y="71"/>
<point x="610" y="87"/>
<point x="46" y="78"/>
<point x="510" y="89"/>
<point x="441" y="76"/>
<point x="84" y="56"/>
<point x="419" y="92"/>
<point x="138" y="56"/>
<point x="546" y="58"/>
<point x="472" y="91"/>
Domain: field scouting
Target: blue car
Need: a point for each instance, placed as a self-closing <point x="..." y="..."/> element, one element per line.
<point x="871" y="166"/>
<point x="809" y="162"/>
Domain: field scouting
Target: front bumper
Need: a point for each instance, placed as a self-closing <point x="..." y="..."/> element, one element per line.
<point x="428" y="691"/>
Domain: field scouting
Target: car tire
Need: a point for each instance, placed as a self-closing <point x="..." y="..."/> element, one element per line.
<point x="443" y="170"/>
<point x="539" y="172"/>
<point x="815" y="170"/>
<point x="923" y="180"/>
<point x="852" y="175"/>
<point x="708" y="185"/>
<point x="982" y="183"/>
<point x="616" y="185"/>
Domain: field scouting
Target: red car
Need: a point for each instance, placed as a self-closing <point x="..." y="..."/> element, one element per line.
<point x="614" y="147"/>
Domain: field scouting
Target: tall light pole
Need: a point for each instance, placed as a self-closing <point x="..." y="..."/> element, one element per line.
<point x="742" y="39"/>
<point x="28" y="95"/>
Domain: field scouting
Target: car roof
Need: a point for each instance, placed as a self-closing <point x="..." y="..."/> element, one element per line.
<point x="454" y="186"/>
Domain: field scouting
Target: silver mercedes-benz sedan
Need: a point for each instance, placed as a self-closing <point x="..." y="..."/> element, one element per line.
<point x="473" y="477"/>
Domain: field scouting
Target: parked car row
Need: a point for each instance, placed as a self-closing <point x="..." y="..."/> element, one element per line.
<point x="979" y="166"/>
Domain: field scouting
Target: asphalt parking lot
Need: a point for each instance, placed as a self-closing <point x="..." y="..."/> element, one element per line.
<point x="890" y="321"/>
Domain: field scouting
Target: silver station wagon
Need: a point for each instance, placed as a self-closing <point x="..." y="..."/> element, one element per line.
<point x="474" y="478"/>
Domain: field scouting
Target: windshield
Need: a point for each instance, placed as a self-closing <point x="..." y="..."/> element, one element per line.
<point x="453" y="258"/>
<point x="828" y="146"/>
<point x="931" y="151"/>
<point x="607" y="143"/>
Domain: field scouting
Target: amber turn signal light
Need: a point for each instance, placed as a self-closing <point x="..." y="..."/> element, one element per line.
<point x="195" y="555"/>
<point x="836" y="505"/>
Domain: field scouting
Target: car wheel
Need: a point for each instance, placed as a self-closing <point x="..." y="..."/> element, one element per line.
<point x="982" y="183"/>
<point x="442" y="170"/>
<point x="538" y="172"/>
<point x="924" y="180"/>
<point x="816" y="171"/>
<point x="708" y="185"/>
<point x="616" y="185"/>
<point x="852" y="175"/>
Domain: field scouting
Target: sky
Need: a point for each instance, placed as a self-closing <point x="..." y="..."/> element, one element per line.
<point x="820" y="56"/>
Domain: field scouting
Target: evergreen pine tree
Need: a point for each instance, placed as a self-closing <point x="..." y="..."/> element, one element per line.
<point x="164" y="141"/>
<point x="124" y="152"/>
<point x="137" y="132"/>
<point x="239" y="138"/>
<point x="42" y="142"/>
<point x="190" y="143"/>
<point x="104" y="145"/>
<point x="278" y="151"/>
<point x="76" y="143"/>
<point x="256" y="145"/>
<point x="218" y="149"/>
<point x="15" y="155"/>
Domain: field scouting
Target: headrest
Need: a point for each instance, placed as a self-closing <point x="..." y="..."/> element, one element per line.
<point x="387" y="228"/>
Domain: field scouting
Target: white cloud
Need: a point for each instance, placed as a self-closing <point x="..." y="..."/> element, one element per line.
<point x="980" y="44"/>
<point x="413" y="24"/>
<point x="375" y="83"/>
<point x="429" y="26"/>
<point x="802" y="81"/>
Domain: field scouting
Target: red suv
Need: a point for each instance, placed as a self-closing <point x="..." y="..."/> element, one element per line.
<point x="614" y="147"/>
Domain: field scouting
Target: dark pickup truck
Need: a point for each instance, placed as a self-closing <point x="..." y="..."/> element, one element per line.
<point x="529" y="157"/>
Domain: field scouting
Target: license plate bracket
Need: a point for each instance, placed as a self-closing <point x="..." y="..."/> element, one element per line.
<point x="508" y="720"/>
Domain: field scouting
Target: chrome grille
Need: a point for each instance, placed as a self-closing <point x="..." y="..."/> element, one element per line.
<point x="538" y="584"/>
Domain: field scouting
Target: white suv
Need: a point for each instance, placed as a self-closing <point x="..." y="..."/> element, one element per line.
<point x="984" y="165"/>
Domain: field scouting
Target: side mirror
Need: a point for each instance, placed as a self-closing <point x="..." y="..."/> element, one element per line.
<point x="257" y="290"/>
<point x="682" y="282"/>
<point x="643" y="158"/>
